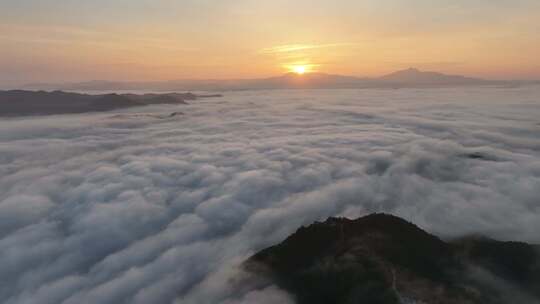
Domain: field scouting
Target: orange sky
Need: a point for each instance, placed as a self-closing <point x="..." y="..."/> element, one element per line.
<point x="60" y="40"/>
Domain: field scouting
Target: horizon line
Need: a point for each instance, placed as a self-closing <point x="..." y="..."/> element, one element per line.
<point x="360" y="77"/>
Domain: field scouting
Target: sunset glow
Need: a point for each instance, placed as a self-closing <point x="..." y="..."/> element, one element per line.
<point x="300" y="69"/>
<point x="269" y="151"/>
<point x="168" y="40"/>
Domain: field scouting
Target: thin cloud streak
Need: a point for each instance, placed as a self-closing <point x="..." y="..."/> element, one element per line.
<point x="291" y="48"/>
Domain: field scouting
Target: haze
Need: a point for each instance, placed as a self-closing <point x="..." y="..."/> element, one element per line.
<point x="49" y="40"/>
<point x="269" y="151"/>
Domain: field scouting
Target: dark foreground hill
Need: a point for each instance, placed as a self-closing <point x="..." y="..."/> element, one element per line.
<point x="19" y="103"/>
<point x="384" y="259"/>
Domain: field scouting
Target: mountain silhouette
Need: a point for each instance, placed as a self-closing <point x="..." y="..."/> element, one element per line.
<point x="400" y="79"/>
<point x="417" y="77"/>
<point x="18" y="102"/>
<point x="384" y="259"/>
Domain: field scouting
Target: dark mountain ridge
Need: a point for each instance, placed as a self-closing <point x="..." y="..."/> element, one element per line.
<point x="384" y="259"/>
<point x="20" y="103"/>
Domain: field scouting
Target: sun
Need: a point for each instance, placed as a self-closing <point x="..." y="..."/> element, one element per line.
<point x="300" y="69"/>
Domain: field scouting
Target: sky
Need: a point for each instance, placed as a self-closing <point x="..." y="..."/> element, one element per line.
<point x="76" y="40"/>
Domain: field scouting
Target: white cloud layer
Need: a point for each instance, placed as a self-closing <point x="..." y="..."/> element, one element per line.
<point x="101" y="208"/>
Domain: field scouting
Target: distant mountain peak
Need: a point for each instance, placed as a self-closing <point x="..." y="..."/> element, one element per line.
<point x="411" y="69"/>
<point x="414" y="76"/>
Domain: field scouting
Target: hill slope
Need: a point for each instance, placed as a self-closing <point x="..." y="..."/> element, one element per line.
<point x="384" y="259"/>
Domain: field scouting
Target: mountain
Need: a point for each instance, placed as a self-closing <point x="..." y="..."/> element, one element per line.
<point x="384" y="259"/>
<point x="416" y="77"/>
<point x="18" y="102"/>
<point x="401" y="79"/>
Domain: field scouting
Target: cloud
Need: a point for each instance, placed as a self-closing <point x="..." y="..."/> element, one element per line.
<point x="503" y="290"/>
<point x="102" y="208"/>
<point x="291" y="48"/>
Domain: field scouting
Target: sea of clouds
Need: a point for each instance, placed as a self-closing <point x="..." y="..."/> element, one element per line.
<point x="133" y="206"/>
